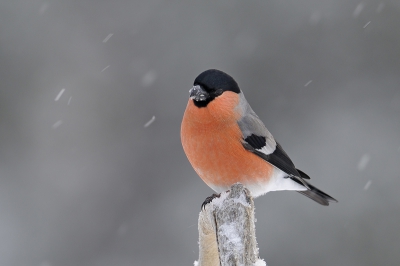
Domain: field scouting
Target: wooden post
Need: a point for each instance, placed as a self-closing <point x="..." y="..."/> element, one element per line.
<point x="227" y="231"/>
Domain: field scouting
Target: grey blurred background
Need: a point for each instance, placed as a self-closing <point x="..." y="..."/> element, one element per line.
<point x="83" y="182"/>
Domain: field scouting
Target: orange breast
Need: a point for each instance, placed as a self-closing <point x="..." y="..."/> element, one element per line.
<point x="213" y="147"/>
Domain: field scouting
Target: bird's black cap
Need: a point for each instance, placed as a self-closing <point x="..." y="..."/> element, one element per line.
<point x="212" y="80"/>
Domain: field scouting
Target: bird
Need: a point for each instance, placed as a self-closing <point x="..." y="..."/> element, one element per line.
<point x="226" y="143"/>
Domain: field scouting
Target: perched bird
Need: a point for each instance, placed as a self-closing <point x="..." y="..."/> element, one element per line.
<point x="226" y="142"/>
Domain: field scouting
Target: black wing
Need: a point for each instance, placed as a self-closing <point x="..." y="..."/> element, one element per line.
<point x="277" y="158"/>
<point x="281" y="160"/>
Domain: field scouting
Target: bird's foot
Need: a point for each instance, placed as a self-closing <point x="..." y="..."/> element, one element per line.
<point x="209" y="199"/>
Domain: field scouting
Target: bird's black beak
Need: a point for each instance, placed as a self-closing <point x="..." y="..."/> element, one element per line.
<point x="198" y="94"/>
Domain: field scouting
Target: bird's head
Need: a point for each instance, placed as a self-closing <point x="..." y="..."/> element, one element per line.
<point x="210" y="85"/>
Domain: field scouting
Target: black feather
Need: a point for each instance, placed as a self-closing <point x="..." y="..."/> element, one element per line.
<point x="315" y="193"/>
<point x="213" y="79"/>
<point x="281" y="160"/>
<point x="214" y="82"/>
<point x="257" y="142"/>
<point x="278" y="158"/>
<point x="302" y="174"/>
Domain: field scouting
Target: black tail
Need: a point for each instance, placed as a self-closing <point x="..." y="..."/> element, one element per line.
<point x="312" y="192"/>
<point x="317" y="195"/>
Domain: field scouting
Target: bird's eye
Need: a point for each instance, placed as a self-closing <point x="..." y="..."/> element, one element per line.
<point x="218" y="92"/>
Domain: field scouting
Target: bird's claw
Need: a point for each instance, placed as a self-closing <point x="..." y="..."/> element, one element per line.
<point x="209" y="199"/>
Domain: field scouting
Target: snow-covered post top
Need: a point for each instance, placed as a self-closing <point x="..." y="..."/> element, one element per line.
<point x="227" y="231"/>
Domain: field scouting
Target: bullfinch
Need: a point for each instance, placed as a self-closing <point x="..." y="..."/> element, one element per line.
<point x="226" y="142"/>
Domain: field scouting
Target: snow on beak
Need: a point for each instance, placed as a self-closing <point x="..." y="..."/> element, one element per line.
<point x="198" y="94"/>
